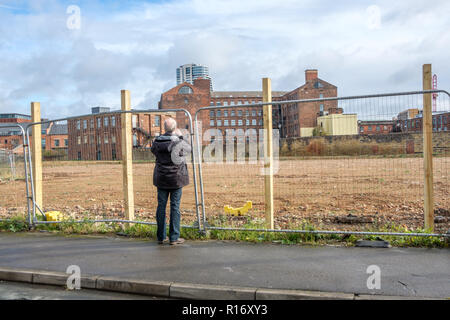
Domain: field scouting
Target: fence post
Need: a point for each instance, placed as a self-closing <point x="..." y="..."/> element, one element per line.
<point x="36" y="145"/>
<point x="428" y="150"/>
<point x="127" y="157"/>
<point x="268" y="153"/>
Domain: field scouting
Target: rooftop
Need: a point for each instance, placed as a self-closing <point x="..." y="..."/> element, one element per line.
<point x="244" y="94"/>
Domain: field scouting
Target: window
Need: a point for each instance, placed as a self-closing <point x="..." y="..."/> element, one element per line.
<point x="218" y="103"/>
<point x="245" y="102"/>
<point x="239" y="122"/>
<point x="239" y="102"/>
<point x="78" y="140"/>
<point x="378" y="128"/>
<point x="361" y="129"/>
<point x="43" y="143"/>
<point x="211" y="103"/>
<point x="239" y="113"/>
<point x="247" y="122"/>
<point x="232" y="103"/>
<point x="369" y="128"/>
<point x="225" y="103"/>
<point x="219" y="123"/>
<point x="106" y="138"/>
<point x="106" y="122"/>
<point x="92" y="123"/>
<point x="66" y="142"/>
<point x="85" y="138"/>
<point x="321" y="108"/>
<point x="225" y="113"/>
<point x="233" y="113"/>
<point x="259" y="112"/>
<point x="318" y="85"/>
<point x="113" y="139"/>
<point x="99" y="139"/>
<point x="84" y="124"/>
<point x="218" y="113"/>
<point x="185" y="90"/>
<point x="78" y="124"/>
<point x="247" y="113"/>
<point x="211" y="123"/>
<point x="260" y="122"/>
<point x="233" y="122"/>
<point x="321" y="96"/>
<point x="253" y="113"/>
<point x="157" y="121"/>
<point x="225" y="123"/>
<point x="253" y="122"/>
<point x="134" y="121"/>
<point x="113" y="121"/>
<point x="211" y="113"/>
<point x="92" y="139"/>
<point x="99" y="123"/>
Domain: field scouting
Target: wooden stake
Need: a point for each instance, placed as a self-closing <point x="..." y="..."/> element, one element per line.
<point x="36" y="145"/>
<point x="428" y="150"/>
<point x="268" y="153"/>
<point x="127" y="156"/>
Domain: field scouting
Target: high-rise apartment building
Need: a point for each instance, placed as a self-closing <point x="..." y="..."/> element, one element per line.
<point x="189" y="72"/>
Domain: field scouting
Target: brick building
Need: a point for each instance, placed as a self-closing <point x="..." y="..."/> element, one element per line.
<point x="441" y="122"/>
<point x="11" y="138"/>
<point x="376" y="126"/>
<point x="292" y="119"/>
<point x="98" y="136"/>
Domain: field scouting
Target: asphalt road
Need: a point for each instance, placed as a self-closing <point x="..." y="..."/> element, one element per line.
<point x="404" y="271"/>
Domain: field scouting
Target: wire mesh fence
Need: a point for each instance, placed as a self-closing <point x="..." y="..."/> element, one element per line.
<point x="12" y="185"/>
<point x="13" y="198"/>
<point x="342" y="164"/>
<point x="146" y="128"/>
<point x="232" y="165"/>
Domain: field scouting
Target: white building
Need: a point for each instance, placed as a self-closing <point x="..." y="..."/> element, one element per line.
<point x="190" y="72"/>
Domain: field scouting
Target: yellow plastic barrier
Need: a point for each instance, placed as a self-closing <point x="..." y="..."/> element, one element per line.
<point x="238" y="211"/>
<point x="54" y="216"/>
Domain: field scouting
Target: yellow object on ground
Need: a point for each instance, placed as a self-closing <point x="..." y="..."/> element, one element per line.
<point x="54" y="216"/>
<point x="238" y="211"/>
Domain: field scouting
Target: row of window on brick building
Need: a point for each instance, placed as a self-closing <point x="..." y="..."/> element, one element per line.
<point x="99" y="123"/>
<point x="440" y="123"/>
<point x="234" y="113"/>
<point x="90" y="139"/>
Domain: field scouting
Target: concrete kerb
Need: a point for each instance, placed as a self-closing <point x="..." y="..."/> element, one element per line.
<point x="181" y="290"/>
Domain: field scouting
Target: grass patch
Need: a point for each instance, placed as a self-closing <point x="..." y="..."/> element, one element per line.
<point x="19" y="224"/>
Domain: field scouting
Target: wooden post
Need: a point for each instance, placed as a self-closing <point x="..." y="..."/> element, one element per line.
<point x="127" y="156"/>
<point x="428" y="150"/>
<point x="268" y="153"/>
<point x="36" y="153"/>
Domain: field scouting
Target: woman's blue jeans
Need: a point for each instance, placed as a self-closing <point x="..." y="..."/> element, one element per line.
<point x="175" y="215"/>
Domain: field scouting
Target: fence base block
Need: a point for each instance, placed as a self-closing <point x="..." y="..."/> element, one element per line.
<point x="373" y="244"/>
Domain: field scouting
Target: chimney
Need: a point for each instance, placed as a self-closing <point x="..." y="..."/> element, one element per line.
<point x="311" y="74"/>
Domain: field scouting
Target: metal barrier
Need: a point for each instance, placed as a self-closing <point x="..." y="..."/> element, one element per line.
<point x="382" y="110"/>
<point x="25" y="149"/>
<point x="35" y="207"/>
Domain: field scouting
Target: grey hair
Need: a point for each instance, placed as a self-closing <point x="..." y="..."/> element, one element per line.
<point x="170" y="125"/>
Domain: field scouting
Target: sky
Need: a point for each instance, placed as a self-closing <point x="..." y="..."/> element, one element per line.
<point x="78" y="54"/>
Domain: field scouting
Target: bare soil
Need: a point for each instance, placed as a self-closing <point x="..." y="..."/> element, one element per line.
<point x="336" y="194"/>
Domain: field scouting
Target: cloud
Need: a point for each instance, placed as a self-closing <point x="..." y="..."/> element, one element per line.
<point x="137" y="45"/>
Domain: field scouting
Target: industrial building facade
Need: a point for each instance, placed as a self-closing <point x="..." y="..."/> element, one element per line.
<point x="98" y="136"/>
<point x="293" y="120"/>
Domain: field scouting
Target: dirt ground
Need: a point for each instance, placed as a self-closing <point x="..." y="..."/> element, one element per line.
<point x="339" y="194"/>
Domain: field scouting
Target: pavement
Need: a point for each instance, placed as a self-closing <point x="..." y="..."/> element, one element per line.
<point x="260" y="270"/>
<point x="25" y="291"/>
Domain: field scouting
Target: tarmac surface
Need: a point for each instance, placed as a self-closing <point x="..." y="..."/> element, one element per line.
<point x="412" y="272"/>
